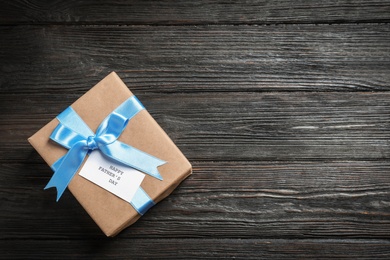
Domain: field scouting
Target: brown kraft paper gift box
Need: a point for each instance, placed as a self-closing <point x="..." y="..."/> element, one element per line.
<point x="111" y="213"/>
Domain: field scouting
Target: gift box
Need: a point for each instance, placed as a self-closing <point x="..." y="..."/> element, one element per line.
<point x="111" y="154"/>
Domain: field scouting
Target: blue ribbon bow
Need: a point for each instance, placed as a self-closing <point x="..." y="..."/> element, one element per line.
<point x="75" y="135"/>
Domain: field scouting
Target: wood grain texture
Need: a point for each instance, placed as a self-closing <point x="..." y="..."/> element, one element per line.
<point x="340" y="199"/>
<point x="281" y="106"/>
<point x="197" y="249"/>
<point x="168" y="59"/>
<point x="190" y="12"/>
<point x="235" y="126"/>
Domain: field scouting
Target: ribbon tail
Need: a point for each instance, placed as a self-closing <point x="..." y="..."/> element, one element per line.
<point x="134" y="158"/>
<point x="64" y="173"/>
<point x="57" y="182"/>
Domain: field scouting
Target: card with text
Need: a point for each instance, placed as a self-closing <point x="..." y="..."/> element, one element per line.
<point x="123" y="181"/>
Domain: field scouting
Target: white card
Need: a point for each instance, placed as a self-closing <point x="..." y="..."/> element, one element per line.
<point x="123" y="181"/>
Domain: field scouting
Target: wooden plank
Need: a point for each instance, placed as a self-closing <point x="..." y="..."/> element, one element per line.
<point x="54" y="59"/>
<point x="233" y="126"/>
<point x="341" y="199"/>
<point x="196" y="249"/>
<point x="190" y="12"/>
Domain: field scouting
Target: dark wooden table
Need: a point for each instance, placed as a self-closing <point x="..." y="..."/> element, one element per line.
<point x="282" y="107"/>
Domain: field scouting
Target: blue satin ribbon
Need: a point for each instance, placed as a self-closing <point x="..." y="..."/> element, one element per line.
<point x="141" y="201"/>
<point x="73" y="134"/>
